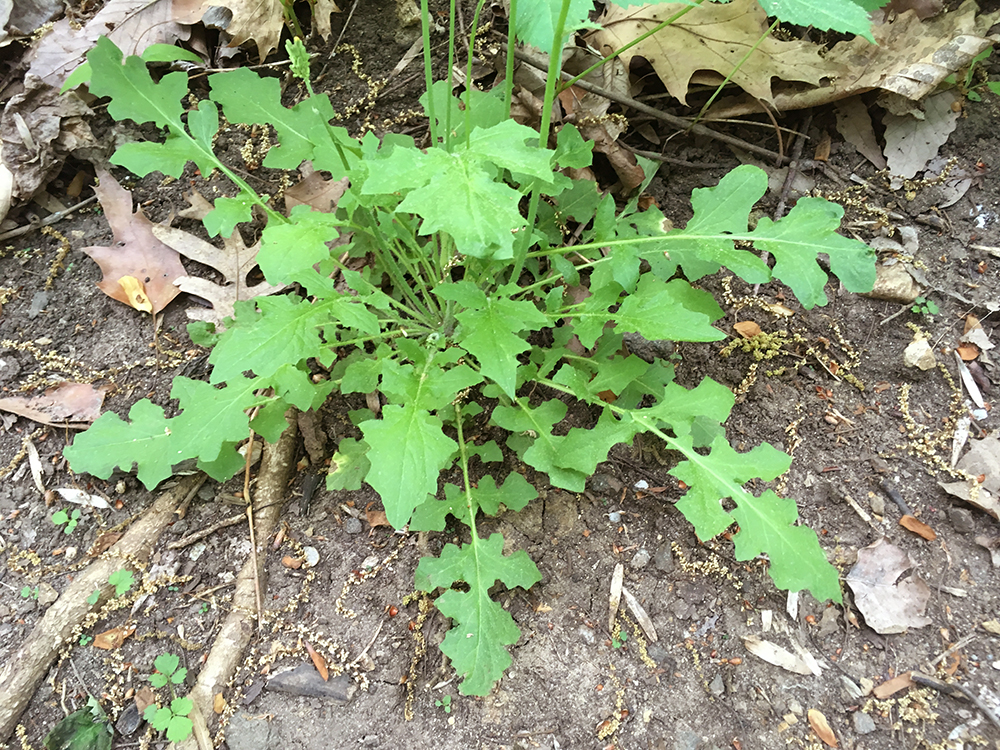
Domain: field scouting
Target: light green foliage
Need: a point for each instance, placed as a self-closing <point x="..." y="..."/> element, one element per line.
<point x="924" y="306"/>
<point x="86" y="729"/>
<point x="122" y="580"/>
<point x="70" y="520"/>
<point x="94" y="596"/>
<point x="172" y="718"/>
<point x="29" y="592"/>
<point x="465" y="316"/>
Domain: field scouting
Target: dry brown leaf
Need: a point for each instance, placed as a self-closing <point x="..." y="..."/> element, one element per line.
<point x="890" y="605"/>
<point x="918" y="527"/>
<point x="109" y="640"/>
<point x="133" y="25"/>
<point x="234" y="261"/>
<point x="854" y="122"/>
<point x="747" y="328"/>
<point x="219" y="703"/>
<point x="711" y="37"/>
<point x="821" y="727"/>
<point x="260" y="20"/>
<point x="318" y="661"/>
<point x="911" y="58"/>
<point x="103" y="543"/>
<point x="316" y="192"/>
<point x="376" y="517"/>
<point x="72" y="405"/>
<point x="39" y="128"/>
<point x="967" y="352"/>
<point x="893" y="686"/>
<point x="144" y="698"/>
<point x="136" y="252"/>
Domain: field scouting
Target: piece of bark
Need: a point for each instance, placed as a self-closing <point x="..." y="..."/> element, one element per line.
<point x="27" y="667"/>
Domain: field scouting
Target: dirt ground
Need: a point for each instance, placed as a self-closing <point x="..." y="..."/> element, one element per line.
<point x="571" y="685"/>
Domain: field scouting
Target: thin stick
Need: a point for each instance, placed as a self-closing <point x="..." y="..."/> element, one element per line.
<point x="253" y="540"/>
<point x="47" y="221"/>
<point x="201" y="534"/>
<point x="949" y="688"/>
<point x="370" y="644"/>
<point x="678" y="122"/>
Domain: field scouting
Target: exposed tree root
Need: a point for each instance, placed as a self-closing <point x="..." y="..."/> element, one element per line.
<point x="237" y="629"/>
<point x="26" y="669"/>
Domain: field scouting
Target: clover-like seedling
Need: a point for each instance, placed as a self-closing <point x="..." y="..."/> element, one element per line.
<point x="122" y="580"/>
<point x="172" y="719"/>
<point x="61" y="517"/>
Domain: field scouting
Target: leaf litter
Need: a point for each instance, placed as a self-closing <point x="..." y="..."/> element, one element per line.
<point x="889" y="603"/>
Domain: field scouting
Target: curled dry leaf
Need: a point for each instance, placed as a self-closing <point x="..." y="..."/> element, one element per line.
<point x="375" y="517"/>
<point x="136" y="252"/>
<point x="821" y="727"/>
<point x="109" y="640"/>
<point x="747" y="328"/>
<point x="918" y="527"/>
<point x="72" y="405"/>
<point x="318" y="661"/>
<point x="774" y="654"/>
<point x="893" y="686"/>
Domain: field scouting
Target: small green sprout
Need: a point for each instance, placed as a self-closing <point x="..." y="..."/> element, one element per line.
<point x="924" y="306"/>
<point x="29" y="592"/>
<point x="94" y="596"/>
<point x="122" y="580"/>
<point x="619" y="640"/>
<point x="173" y="718"/>
<point x="444" y="703"/>
<point x="61" y="517"/>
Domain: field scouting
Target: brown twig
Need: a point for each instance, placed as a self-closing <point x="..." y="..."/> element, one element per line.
<point x="678" y="122"/>
<point x="47" y="221"/>
<point x="208" y="530"/>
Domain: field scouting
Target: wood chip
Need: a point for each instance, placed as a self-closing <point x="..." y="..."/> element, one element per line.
<point x="821" y="727"/>
<point x="893" y="686"/>
<point x="640" y="615"/>
<point x="616" y="594"/>
<point x="918" y="527"/>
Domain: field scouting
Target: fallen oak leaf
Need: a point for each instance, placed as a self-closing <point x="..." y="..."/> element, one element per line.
<point x="136" y="252"/>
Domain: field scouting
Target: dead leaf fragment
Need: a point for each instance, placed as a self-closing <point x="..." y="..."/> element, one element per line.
<point x="889" y="605"/>
<point x="260" y="20"/>
<point x="615" y="597"/>
<point x="918" y="527"/>
<point x="992" y="626"/>
<point x="776" y="655"/>
<point x="112" y="639"/>
<point x="893" y="686"/>
<point x="711" y="37"/>
<point x="219" y="703"/>
<point x="136" y="252"/>
<point x="71" y="405"/>
<point x="135" y="292"/>
<point x="821" y="727"/>
<point x="376" y="517"/>
<point x="747" y="328"/>
<point x="967" y="351"/>
<point x="318" y="661"/>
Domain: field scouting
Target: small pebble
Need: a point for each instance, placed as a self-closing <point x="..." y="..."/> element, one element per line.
<point x="312" y="556"/>
<point x="640" y="559"/>
<point x="863" y="723"/>
<point x="614" y="516"/>
<point x="717" y="686"/>
<point x="961" y="520"/>
<point x="352" y="526"/>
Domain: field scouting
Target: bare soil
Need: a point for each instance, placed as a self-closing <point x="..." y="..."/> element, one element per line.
<point x="570" y="685"/>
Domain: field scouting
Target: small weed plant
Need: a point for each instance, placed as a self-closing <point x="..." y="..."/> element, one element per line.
<point x="452" y="292"/>
<point x="924" y="306"/>
<point x="29" y="592"/>
<point x="68" y="521"/>
<point x="172" y="718"/>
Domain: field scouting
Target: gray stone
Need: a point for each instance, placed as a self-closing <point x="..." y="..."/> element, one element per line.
<point x="305" y="680"/>
<point x="663" y="560"/>
<point x="352" y="526"/>
<point x="640" y="559"/>
<point x="46" y="595"/>
<point x="961" y="520"/>
<point x="38" y="302"/>
<point x="863" y="723"/>
<point x="717" y="687"/>
<point x="604" y="484"/>
<point x="686" y="740"/>
<point x="246" y="732"/>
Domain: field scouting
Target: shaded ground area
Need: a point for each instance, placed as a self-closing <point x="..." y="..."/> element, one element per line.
<point x="574" y="682"/>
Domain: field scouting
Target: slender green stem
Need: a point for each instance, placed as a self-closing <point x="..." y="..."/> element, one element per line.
<point x="555" y="67"/>
<point x="425" y="27"/>
<point x="739" y="65"/>
<point x="508" y="84"/>
<point x="468" y="70"/>
<point x="451" y="66"/>
<point x="467" y="484"/>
